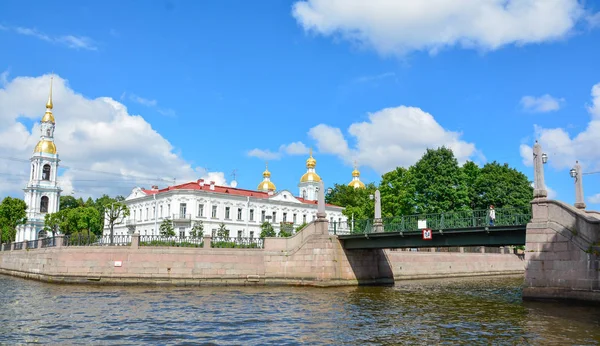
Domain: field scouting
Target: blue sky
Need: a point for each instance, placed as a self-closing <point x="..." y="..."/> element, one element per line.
<point x="227" y="84"/>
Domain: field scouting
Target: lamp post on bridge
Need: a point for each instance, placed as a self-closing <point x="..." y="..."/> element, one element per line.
<point x="539" y="160"/>
<point x="576" y="174"/>
<point x="377" y="222"/>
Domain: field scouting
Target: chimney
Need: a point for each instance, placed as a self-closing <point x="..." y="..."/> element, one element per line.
<point x="201" y="182"/>
<point x="154" y="187"/>
<point x="212" y="185"/>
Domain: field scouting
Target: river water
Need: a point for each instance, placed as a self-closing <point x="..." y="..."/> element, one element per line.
<point x="464" y="311"/>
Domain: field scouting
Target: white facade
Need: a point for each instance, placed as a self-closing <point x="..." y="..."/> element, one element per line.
<point x="242" y="211"/>
<point x="42" y="193"/>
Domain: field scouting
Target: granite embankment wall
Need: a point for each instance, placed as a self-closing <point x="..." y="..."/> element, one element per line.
<point x="562" y="253"/>
<point x="311" y="257"/>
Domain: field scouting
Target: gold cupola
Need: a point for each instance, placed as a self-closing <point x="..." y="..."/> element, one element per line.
<point x="310" y="175"/>
<point x="48" y="116"/>
<point x="266" y="185"/>
<point x="46" y="143"/>
<point x="356" y="183"/>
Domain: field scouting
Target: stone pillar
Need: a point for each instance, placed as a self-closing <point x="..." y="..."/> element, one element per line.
<point x="59" y="241"/>
<point x="579" y="202"/>
<point x="321" y="202"/>
<point x="207" y="240"/>
<point x="461" y="249"/>
<point x="539" y="187"/>
<point x="377" y="222"/>
<point x="39" y="244"/>
<point x="135" y="240"/>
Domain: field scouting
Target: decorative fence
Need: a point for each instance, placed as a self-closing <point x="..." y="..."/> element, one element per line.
<point x="450" y="220"/>
<point x="90" y="239"/>
<point x="6" y="247"/>
<point x="49" y="242"/>
<point x="158" y="240"/>
<point x="237" y="242"/>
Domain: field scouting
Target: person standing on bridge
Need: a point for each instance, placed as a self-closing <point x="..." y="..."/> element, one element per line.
<point x="492" y="215"/>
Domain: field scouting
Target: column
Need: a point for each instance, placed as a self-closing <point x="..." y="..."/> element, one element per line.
<point x="538" y="173"/>
<point x="579" y="202"/>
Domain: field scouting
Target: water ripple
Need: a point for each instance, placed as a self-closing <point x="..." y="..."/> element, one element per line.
<point x="479" y="311"/>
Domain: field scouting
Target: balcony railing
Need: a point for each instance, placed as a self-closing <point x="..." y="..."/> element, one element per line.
<point x="182" y="217"/>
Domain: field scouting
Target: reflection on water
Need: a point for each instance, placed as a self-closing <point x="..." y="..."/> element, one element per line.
<point x="443" y="311"/>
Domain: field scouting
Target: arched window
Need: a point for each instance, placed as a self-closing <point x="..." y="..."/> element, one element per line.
<point x="46" y="172"/>
<point x="44" y="204"/>
<point x="41" y="234"/>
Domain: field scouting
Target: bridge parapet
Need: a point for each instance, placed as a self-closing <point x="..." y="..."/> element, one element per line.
<point x="561" y="252"/>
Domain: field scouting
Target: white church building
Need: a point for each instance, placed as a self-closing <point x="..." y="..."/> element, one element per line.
<point x="42" y="193"/>
<point x="242" y="211"/>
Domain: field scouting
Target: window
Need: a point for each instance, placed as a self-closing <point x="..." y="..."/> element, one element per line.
<point x="239" y="213"/>
<point x="239" y="234"/>
<point x="214" y="232"/>
<point x="251" y="234"/>
<point x="140" y="216"/>
<point x="226" y="212"/>
<point x="294" y="218"/>
<point x="214" y="212"/>
<point x="146" y="213"/>
<point x="161" y="215"/>
<point x="284" y="217"/>
<point x="154" y="212"/>
<point x="200" y="210"/>
<point x="262" y="215"/>
<point x="339" y="220"/>
<point x="44" y="204"/>
<point x="304" y="194"/>
<point x="331" y="219"/>
<point x="274" y="216"/>
<point x="181" y="232"/>
<point x="134" y="212"/>
<point x="182" y="210"/>
<point x="168" y="210"/>
<point x="251" y="214"/>
<point x="304" y="218"/>
<point x="46" y="172"/>
<point x="314" y="217"/>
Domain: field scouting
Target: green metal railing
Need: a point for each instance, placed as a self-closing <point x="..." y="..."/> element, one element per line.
<point x="463" y="219"/>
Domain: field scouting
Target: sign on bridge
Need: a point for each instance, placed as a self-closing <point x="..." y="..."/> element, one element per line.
<point x="427" y="234"/>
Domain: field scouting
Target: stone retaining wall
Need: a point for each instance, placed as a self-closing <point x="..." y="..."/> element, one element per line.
<point x="312" y="257"/>
<point x="562" y="253"/>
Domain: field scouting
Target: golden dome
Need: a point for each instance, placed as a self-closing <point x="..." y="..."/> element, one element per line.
<point x="48" y="117"/>
<point x="45" y="146"/>
<point x="357" y="184"/>
<point x="311" y="162"/>
<point x="266" y="186"/>
<point x="355" y="173"/>
<point x="266" y="173"/>
<point x="310" y="176"/>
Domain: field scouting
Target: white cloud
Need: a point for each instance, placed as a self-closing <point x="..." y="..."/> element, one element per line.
<point x="92" y="136"/>
<point x="595" y="199"/>
<point x="71" y="41"/>
<point x="392" y="137"/>
<point x="151" y="103"/>
<point x="563" y="149"/>
<point x="551" y="193"/>
<point x="542" y="104"/>
<point x="401" y="26"/>
<point x="295" y="148"/>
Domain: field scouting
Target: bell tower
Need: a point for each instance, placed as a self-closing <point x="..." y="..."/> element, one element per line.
<point x="42" y="193"/>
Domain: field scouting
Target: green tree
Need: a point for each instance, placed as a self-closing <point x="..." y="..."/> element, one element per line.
<point x="439" y="182"/>
<point x="355" y="201"/>
<point x="397" y="193"/>
<point x="53" y="222"/>
<point x="286" y="229"/>
<point x="471" y="172"/>
<point x="166" y="228"/>
<point x="301" y="227"/>
<point x="501" y="186"/>
<point x="222" y="231"/>
<point x="115" y="213"/>
<point x="197" y="230"/>
<point x="13" y="212"/>
<point x="266" y="230"/>
<point x="68" y="202"/>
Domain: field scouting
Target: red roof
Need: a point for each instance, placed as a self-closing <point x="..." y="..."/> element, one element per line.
<point x="196" y="185"/>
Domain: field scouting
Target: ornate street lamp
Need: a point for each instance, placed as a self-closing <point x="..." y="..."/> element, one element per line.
<point x="573" y="173"/>
<point x="544" y="158"/>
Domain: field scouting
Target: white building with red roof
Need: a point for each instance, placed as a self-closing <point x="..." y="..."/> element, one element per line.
<point x="242" y="211"/>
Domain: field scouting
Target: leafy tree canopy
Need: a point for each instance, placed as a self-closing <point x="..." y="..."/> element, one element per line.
<point x="13" y="212"/>
<point x="356" y="201"/>
<point x="267" y="230"/>
<point x="166" y="228"/>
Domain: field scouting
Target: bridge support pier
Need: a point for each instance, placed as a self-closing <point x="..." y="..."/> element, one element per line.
<point x="562" y="253"/>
